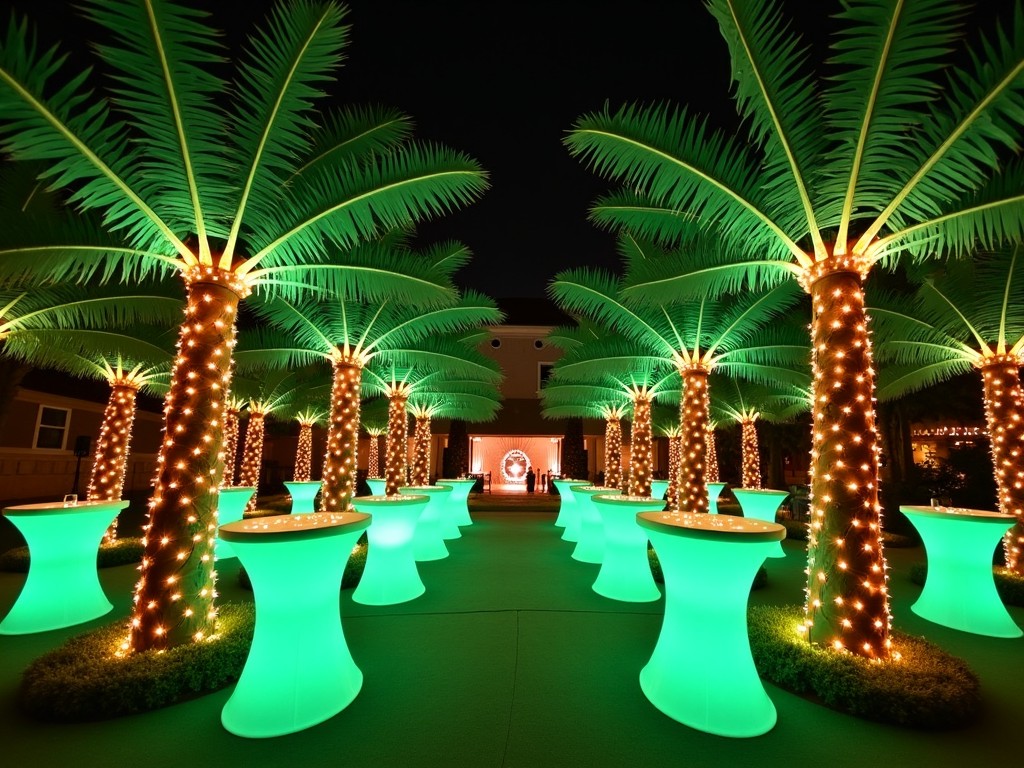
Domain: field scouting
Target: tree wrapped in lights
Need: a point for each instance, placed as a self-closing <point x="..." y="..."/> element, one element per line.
<point x="374" y="418"/>
<point x="444" y="399"/>
<point x="711" y="462"/>
<point x="269" y="395"/>
<point x="967" y="315"/>
<point x="232" y="427"/>
<point x="373" y="454"/>
<point x="307" y="419"/>
<point x="845" y="190"/>
<point x="672" y="431"/>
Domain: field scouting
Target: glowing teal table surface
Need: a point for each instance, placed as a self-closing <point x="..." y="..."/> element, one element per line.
<point x="568" y="510"/>
<point x="658" y="489"/>
<point x="428" y="541"/>
<point x="230" y="508"/>
<point x="299" y="671"/>
<point x="62" y="587"/>
<point x="378" y="485"/>
<point x="458" y="502"/>
<point x="390" y="575"/>
<point x="625" y="569"/>
<point x="303" y="495"/>
<point x="761" y="504"/>
<point x="960" y="591"/>
<point x="701" y="672"/>
<point x="714" y="491"/>
<point x="590" y="542"/>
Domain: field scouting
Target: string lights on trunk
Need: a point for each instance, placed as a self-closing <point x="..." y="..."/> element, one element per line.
<point x="641" y="442"/>
<point x="421" y="447"/>
<point x="398" y="438"/>
<point x="751" y="453"/>
<point x="693" y="428"/>
<point x="340" y="459"/>
<point x="613" y="448"/>
<point x="110" y="460"/>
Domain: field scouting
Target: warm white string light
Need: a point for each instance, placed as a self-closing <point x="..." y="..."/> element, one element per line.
<point x="398" y="438"/>
<point x="421" y="446"/>
<point x="341" y="456"/>
<point x="613" y="447"/>
<point x="693" y="427"/>
<point x="750" y="452"/>
<point x="640" y="444"/>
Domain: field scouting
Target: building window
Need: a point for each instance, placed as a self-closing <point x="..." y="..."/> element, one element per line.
<point x="543" y="373"/>
<point x="52" y="428"/>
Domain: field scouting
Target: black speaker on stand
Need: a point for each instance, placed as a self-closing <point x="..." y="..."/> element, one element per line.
<point x="81" y="451"/>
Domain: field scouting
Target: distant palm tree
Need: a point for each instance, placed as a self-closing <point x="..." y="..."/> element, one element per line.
<point x="468" y="401"/>
<point x="233" y="407"/>
<point x="896" y="154"/>
<point x="307" y="419"/>
<point x="969" y="315"/>
<point x="233" y="184"/>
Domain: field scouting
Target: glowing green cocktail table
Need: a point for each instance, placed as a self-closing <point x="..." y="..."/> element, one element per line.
<point x="458" y="502"/>
<point x="761" y="504"/>
<point x="701" y="672"/>
<point x="590" y="543"/>
<point x="428" y="541"/>
<point x="299" y="671"/>
<point x="303" y="495"/>
<point x="658" y="489"/>
<point x="378" y="485"/>
<point x="625" y="569"/>
<point x="230" y="508"/>
<point x="62" y="587"/>
<point x="959" y="590"/>
<point x="390" y="575"/>
<point x="714" y="491"/>
<point x="568" y="510"/>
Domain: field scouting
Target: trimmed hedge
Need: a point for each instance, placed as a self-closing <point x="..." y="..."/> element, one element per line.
<point x="349" y="579"/>
<point x="760" y="578"/>
<point x="796" y="530"/>
<point x="927" y="688"/>
<point x="1009" y="585"/>
<point x="82" y="679"/>
<point x="123" y="551"/>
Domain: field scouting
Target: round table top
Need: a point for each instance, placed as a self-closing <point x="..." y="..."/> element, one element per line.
<point x="446" y="480"/>
<point x="569" y="481"/>
<point x="294" y="527"/>
<point x="716" y="484"/>
<point x="427" y="489"/>
<point x="958" y="513"/>
<point x="705" y="526"/>
<point x="238" y="489"/>
<point x="629" y="501"/>
<point x="302" y="482"/>
<point x="758" y="491"/>
<point x="60" y="508"/>
<point x="396" y="501"/>
<point x="596" y="489"/>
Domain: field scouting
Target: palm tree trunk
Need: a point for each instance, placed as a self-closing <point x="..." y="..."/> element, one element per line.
<point x="373" y="457"/>
<point x="847" y="592"/>
<point x="613" y="452"/>
<point x="230" y="447"/>
<point x="340" y="461"/>
<point x="174" y="597"/>
<point x="711" y="461"/>
<point x="421" y="452"/>
<point x="675" y="451"/>
<point x="397" y="445"/>
<point x="252" y="456"/>
<point x="751" y="454"/>
<point x="640" y="448"/>
<point x="693" y="427"/>
<point x="106" y="481"/>
<point x="304" y="454"/>
<point x="1004" y="412"/>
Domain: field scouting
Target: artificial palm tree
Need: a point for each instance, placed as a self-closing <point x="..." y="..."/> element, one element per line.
<point x="374" y="421"/>
<point x="969" y="315"/>
<point x="670" y="428"/>
<point x="470" y="401"/>
<point x="233" y="184"/>
<point x="269" y="395"/>
<point x="233" y="407"/>
<point x="307" y="419"/>
<point x="895" y="154"/>
<point x="711" y="454"/>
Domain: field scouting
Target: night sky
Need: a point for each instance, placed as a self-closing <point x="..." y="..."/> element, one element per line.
<point x="504" y="82"/>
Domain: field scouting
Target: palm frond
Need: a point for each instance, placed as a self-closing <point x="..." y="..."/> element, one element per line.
<point x="896" y="381"/>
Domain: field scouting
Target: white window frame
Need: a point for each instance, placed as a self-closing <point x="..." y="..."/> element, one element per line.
<point x="39" y="423"/>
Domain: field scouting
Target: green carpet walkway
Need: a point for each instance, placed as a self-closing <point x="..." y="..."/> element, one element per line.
<point x="510" y="659"/>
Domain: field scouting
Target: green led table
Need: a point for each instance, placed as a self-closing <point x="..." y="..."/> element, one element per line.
<point x="303" y="494"/>
<point x="299" y="671"/>
<point x="62" y="587"/>
<point x="714" y="491"/>
<point x="590" y="542"/>
<point x="701" y="672"/>
<point x="761" y="504"/>
<point x="658" y="489"/>
<point x="390" y="575"/>
<point x="230" y="508"/>
<point x="625" y="570"/>
<point x="568" y="509"/>
<point x="960" y="591"/>
<point x="378" y="485"/>
<point x="446" y="520"/>
<point x="428" y="541"/>
<point x="458" y="502"/>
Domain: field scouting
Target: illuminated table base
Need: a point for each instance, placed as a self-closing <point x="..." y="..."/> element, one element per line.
<point x="230" y="508"/>
<point x="590" y="543"/>
<point x="761" y="504"/>
<point x="378" y="485"/>
<point x="568" y="509"/>
<point x="458" y="502"/>
<point x="390" y="575"/>
<point x="714" y="491"/>
<point x="658" y="489"/>
<point x="428" y="541"/>
<point x="625" y="569"/>
<point x="959" y="591"/>
<point x="299" y="671"/>
<point x="701" y="672"/>
<point x="62" y="587"/>
<point x="303" y="495"/>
